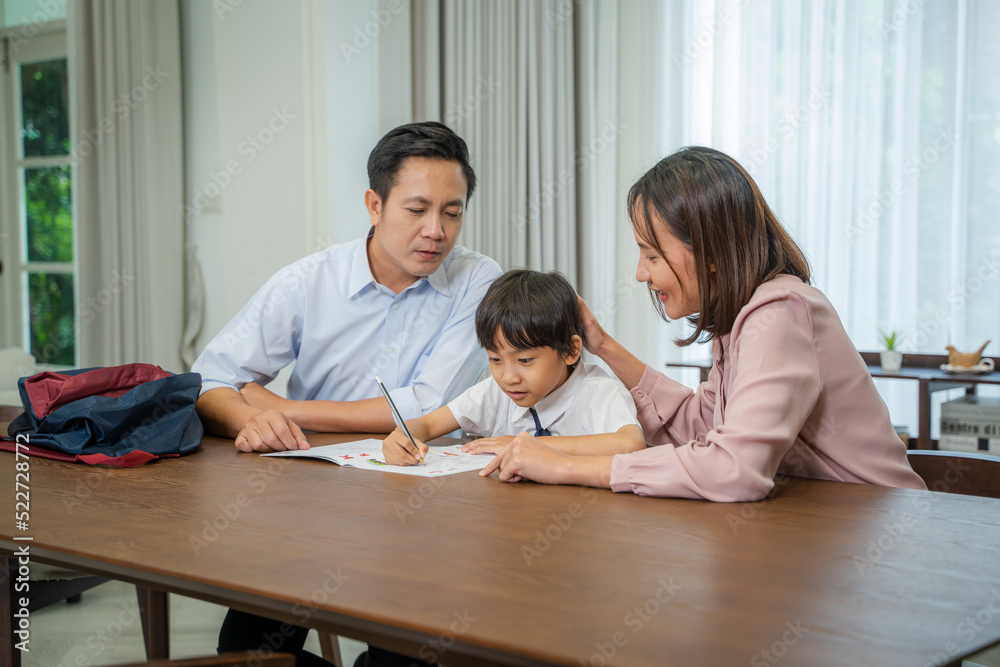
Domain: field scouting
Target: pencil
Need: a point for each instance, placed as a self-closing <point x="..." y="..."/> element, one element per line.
<point x="395" y="413"/>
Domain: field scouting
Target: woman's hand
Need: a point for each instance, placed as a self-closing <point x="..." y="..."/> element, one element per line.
<point x="593" y="334"/>
<point x="487" y="445"/>
<point x="526" y="457"/>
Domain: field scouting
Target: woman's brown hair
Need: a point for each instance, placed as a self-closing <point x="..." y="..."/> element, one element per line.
<point x="710" y="203"/>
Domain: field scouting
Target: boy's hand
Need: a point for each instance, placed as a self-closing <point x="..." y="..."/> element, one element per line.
<point x="397" y="449"/>
<point x="261" y="397"/>
<point x="487" y="445"/>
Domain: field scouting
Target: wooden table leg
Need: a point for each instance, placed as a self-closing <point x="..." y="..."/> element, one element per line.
<point x="924" y="436"/>
<point x="155" y="614"/>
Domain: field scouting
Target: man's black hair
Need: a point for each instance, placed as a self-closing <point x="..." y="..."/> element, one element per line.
<point x="429" y="140"/>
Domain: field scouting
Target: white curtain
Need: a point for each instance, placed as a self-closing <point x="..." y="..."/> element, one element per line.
<point x="563" y="105"/>
<point x="128" y="181"/>
<point x="872" y="129"/>
<point x="502" y="75"/>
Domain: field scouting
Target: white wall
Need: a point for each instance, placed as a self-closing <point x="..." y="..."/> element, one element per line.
<point x="301" y="77"/>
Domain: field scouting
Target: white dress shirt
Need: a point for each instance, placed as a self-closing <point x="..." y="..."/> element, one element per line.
<point x="327" y="313"/>
<point x="588" y="402"/>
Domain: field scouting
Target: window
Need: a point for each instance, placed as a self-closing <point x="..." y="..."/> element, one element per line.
<point x="37" y="233"/>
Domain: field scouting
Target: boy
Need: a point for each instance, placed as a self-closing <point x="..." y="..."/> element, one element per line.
<point x="530" y="325"/>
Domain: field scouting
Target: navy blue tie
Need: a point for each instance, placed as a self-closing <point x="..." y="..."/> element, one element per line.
<point x="539" y="431"/>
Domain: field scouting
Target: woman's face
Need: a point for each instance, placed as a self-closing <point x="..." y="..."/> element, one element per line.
<point x="671" y="274"/>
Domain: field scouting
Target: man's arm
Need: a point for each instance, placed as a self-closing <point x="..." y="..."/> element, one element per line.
<point x="224" y="412"/>
<point x="370" y="415"/>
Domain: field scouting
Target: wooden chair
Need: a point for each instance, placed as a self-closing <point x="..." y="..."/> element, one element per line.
<point x="965" y="473"/>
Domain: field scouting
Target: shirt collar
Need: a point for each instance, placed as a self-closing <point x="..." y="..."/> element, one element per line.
<point x="553" y="406"/>
<point x="361" y="271"/>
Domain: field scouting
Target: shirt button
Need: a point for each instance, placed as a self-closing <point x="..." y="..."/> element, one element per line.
<point x="638" y="392"/>
<point x="392" y="350"/>
<point x="395" y="307"/>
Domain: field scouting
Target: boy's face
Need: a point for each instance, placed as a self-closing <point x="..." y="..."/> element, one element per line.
<point x="418" y="223"/>
<point x="528" y="376"/>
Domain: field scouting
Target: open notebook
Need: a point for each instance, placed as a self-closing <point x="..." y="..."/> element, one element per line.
<point x="367" y="455"/>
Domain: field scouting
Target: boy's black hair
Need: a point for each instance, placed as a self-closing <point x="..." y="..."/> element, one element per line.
<point x="431" y="140"/>
<point x="531" y="309"/>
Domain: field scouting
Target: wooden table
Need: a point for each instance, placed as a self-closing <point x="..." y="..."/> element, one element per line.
<point x="467" y="570"/>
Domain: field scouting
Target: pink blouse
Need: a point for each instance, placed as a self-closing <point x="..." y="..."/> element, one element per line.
<point x="787" y="392"/>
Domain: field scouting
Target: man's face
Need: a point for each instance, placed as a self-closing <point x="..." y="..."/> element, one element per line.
<point x="418" y="223"/>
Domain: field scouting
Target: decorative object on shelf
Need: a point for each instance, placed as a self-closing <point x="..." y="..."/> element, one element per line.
<point x="967" y="362"/>
<point x="891" y="357"/>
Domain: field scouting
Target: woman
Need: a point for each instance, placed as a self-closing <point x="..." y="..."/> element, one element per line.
<point x="787" y="392"/>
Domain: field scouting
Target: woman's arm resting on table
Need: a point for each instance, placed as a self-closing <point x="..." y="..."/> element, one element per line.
<point x="526" y="457"/>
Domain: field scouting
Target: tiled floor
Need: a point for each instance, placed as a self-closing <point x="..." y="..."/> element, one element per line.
<point x="104" y="629"/>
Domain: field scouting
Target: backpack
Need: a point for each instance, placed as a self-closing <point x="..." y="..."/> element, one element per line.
<point x="120" y="415"/>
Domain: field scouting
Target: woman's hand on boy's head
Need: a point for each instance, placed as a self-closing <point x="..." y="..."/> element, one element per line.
<point x="487" y="445"/>
<point x="527" y="457"/>
<point x="593" y="334"/>
<point x="397" y="449"/>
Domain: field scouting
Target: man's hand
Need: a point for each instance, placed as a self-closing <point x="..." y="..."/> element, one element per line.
<point x="269" y="431"/>
<point x="487" y="445"/>
<point x="397" y="449"/>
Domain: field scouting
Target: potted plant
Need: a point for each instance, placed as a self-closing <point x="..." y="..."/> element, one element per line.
<point x="892" y="358"/>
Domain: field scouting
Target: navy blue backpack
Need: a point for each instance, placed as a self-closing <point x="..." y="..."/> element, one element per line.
<point x="119" y="415"/>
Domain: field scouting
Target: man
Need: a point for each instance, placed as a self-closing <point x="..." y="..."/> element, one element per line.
<point x="399" y="303"/>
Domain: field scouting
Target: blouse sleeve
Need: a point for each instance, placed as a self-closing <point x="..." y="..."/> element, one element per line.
<point x="669" y="412"/>
<point x="774" y="387"/>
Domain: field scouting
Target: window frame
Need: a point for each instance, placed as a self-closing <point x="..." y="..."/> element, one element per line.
<point x="48" y="42"/>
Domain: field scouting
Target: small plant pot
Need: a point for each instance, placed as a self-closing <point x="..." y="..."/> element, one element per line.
<point x="892" y="360"/>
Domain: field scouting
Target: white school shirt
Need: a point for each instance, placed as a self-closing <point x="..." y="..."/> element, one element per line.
<point x="327" y="313"/>
<point x="588" y="402"/>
